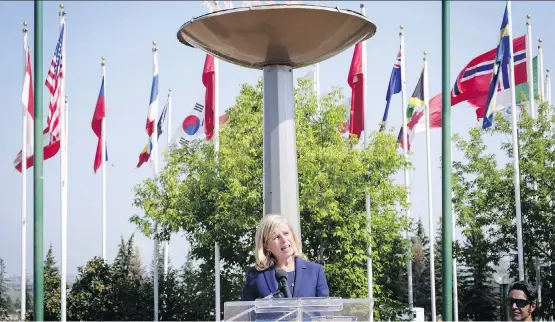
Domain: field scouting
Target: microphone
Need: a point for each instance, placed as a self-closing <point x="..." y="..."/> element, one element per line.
<point x="281" y="277"/>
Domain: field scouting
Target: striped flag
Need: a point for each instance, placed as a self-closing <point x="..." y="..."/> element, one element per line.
<point x="145" y="154"/>
<point x="152" y="114"/>
<point x="53" y="84"/>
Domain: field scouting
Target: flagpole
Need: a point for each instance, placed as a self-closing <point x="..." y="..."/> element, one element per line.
<point x="454" y="238"/>
<point x="216" y="138"/>
<point x="63" y="172"/>
<point x="216" y="150"/>
<point x="548" y="89"/>
<point x="155" y="164"/>
<point x="316" y="84"/>
<point x="370" y="272"/>
<point x="529" y="67"/>
<point x="430" y="199"/>
<point x="24" y="181"/>
<point x="38" y="181"/>
<point x="103" y="162"/>
<point x="405" y="141"/>
<point x="446" y="164"/>
<point x="167" y="243"/>
<point x="540" y="71"/>
<point x="515" y="149"/>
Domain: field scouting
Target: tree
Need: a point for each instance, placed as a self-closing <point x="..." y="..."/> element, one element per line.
<point x="484" y="200"/>
<point x="52" y="293"/>
<point x="90" y="296"/>
<point x="223" y="202"/>
<point x="4" y="303"/>
<point x="127" y="279"/>
<point x="421" y="270"/>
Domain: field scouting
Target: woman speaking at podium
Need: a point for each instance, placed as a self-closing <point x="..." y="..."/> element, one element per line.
<point x="278" y="254"/>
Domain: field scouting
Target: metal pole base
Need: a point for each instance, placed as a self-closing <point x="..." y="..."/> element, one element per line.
<point x="280" y="186"/>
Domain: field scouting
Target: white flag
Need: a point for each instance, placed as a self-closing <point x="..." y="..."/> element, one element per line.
<point x="192" y="127"/>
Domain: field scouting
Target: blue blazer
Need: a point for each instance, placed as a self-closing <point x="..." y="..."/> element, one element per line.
<point x="310" y="281"/>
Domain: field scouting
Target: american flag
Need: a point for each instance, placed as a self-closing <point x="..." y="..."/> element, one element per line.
<point x="52" y="83"/>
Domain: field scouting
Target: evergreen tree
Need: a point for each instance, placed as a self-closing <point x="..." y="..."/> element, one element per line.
<point x="52" y="293"/>
<point x="421" y="270"/>
<point x="476" y="293"/>
<point x="438" y="264"/>
<point x="4" y="303"/>
<point x="127" y="279"/>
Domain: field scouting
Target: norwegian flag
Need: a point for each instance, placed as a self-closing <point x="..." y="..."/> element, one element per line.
<point x="53" y="84"/>
<point x="472" y="85"/>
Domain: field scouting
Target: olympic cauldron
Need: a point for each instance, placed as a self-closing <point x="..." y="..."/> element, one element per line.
<point x="277" y="39"/>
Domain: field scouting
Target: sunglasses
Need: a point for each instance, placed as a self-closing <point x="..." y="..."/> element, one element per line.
<point x="519" y="302"/>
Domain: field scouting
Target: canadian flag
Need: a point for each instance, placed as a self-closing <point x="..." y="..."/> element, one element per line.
<point x="27" y="99"/>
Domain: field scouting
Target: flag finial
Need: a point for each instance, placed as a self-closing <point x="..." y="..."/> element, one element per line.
<point x="24" y="26"/>
<point x="547" y="70"/>
<point x="61" y="5"/>
<point x="103" y="61"/>
<point x="401" y="28"/>
<point x="170" y="90"/>
<point x="425" y="54"/>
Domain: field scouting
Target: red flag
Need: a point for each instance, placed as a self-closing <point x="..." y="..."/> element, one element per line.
<point x="49" y="150"/>
<point x="209" y="81"/>
<point x="28" y="101"/>
<point x="472" y="83"/>
<point x="356" y="82"/>
<point x="96" y="125"/>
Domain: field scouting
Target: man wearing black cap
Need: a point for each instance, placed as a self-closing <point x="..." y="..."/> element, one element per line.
<point x="521" y="301"/>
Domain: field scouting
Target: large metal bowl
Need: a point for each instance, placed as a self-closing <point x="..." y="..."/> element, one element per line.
<point x="293" y="35"/>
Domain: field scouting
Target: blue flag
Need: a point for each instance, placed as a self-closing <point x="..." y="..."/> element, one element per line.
<point x="500" y="67"/>
<point x="394" y="86"/>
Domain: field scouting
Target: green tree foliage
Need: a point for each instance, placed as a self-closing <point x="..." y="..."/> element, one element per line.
<point x="484" y="199"/>
<point x="223" y="203"/>
<point x="90" y="297"/>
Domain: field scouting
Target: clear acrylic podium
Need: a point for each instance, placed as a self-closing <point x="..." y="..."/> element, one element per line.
<point x="299" y="309"/>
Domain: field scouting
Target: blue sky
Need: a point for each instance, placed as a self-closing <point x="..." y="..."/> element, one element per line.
<point x="124" y="31"/>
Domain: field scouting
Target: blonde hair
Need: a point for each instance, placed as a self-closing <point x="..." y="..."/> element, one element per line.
<point x="267" y="225"/>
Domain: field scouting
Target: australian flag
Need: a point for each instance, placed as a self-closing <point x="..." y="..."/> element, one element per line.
<point x="393" y="88"/>
<point x="500" y="68"/>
